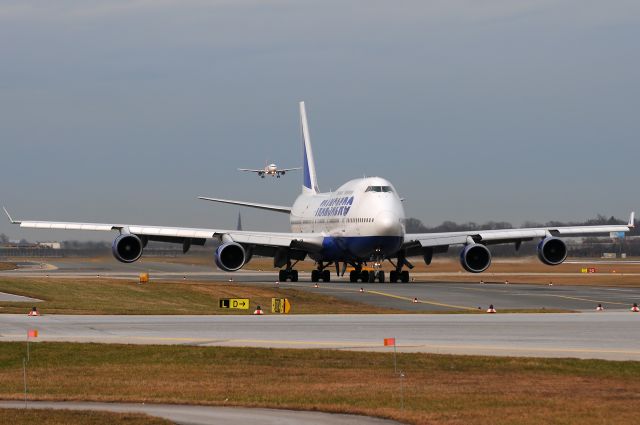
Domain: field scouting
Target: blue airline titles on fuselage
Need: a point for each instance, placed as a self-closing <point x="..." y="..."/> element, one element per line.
<point x="336" y="206"/>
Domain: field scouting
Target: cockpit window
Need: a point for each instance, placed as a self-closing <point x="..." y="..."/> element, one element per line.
<point x="379" y="189"/>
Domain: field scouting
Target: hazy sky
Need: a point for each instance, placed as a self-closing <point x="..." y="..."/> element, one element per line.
<point x="126" y="111"/>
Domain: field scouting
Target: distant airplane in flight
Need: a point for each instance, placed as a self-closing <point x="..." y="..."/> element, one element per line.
<point x="270" y="170"/>
<point x="360" y="223"/>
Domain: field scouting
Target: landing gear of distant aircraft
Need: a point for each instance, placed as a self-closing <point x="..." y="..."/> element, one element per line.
<point x="290" y="274"/>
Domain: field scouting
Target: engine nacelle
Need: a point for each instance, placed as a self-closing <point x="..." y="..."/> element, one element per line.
<point x="127" y="248"/>
<point x="552" y="251"/>
<point x="475" y="258"/>
<point x="230" y="256"/>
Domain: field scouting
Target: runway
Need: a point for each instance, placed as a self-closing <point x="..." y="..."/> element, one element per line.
<point x="205" y="415"/>
<point x="608" y="335"/>
<point x="432" y="296"/>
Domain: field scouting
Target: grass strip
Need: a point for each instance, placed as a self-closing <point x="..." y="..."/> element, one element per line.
<point x="72" y="417"/>
<point x="105" y="296"/>
<point x="7" y="266"/>
<point x="436" y="389"/>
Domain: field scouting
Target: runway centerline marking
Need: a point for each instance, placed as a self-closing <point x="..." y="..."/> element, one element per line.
<point x="384" y="294"/>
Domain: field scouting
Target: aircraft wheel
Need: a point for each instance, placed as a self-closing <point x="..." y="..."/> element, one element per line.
<point x="372" y="277"/>
<point x="364" y="276"/>
<point x="314" y="275"/>
<point x="404" y="276"/>
<point x="381" y="276"/>
<point x="393" y="276"/>
<point x="326" y="276"/>
<point x="282" y="276"/>
<point x="353" y="276"/>
<point x="294" y="275"/>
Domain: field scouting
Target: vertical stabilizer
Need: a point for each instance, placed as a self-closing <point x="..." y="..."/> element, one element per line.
<point x="310" y="184"/>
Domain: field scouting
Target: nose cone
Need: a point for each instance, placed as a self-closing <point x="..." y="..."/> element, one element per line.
<point x="388" y="224"/>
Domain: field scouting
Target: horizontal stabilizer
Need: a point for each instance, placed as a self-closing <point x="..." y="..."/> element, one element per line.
<point x="276" y="208"/>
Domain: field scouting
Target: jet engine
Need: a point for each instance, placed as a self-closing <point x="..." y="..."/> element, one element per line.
<point x="552" y="251"/>
<point x="475" y="258"/>
<point x="230" y="256"/>
<point x="127" y="248"/>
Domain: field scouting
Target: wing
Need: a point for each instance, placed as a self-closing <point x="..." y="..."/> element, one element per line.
<point x="441" y="241"/>
<point x="248" y="169"/>
<point x="289" y="169"/>
<point x="263" y="243"/>
<point x="269" y="207"/>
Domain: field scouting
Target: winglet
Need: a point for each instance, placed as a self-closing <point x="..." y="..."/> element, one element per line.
<point x="632" y="219"/>
<point x="8" y="215"/>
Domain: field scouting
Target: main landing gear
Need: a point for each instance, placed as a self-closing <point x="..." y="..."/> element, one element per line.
<point x="290" y="274"/>
<point x="317" y="275"/>
<point x="321" y="273"/>
<point x="402" y="276"/>
<point x="398" y="274"/>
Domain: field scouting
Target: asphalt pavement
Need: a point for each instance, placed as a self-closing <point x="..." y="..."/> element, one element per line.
<point x="606" y="335"/>
<point x="207" y="415"/>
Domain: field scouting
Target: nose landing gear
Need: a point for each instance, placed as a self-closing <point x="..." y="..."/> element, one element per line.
<point x="366" y="275"/>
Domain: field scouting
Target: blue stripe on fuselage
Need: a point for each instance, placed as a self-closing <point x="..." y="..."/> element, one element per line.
<point x="358" y="247"/>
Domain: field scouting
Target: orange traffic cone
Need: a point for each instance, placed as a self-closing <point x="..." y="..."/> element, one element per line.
<point x="34" y="312"/>
<point x="635" y="308"/>
<point x="599" y="308"/>
<point x="491" y="309"/>
<point x="258" y="311"/>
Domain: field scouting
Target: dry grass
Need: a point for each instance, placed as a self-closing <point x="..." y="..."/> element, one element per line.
<point x="84" y="417"/>
<point x="438" y="389"/>
<point x="7" y="266"/>
<point x="104" y="296"/>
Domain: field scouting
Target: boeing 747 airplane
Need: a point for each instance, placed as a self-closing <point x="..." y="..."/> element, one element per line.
<point x="361" y="223"/>
<point x="270" y="170"/>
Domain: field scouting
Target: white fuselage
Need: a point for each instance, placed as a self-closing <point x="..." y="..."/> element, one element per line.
<point x="363" y="218"/>
<point x="271" y="169"/>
